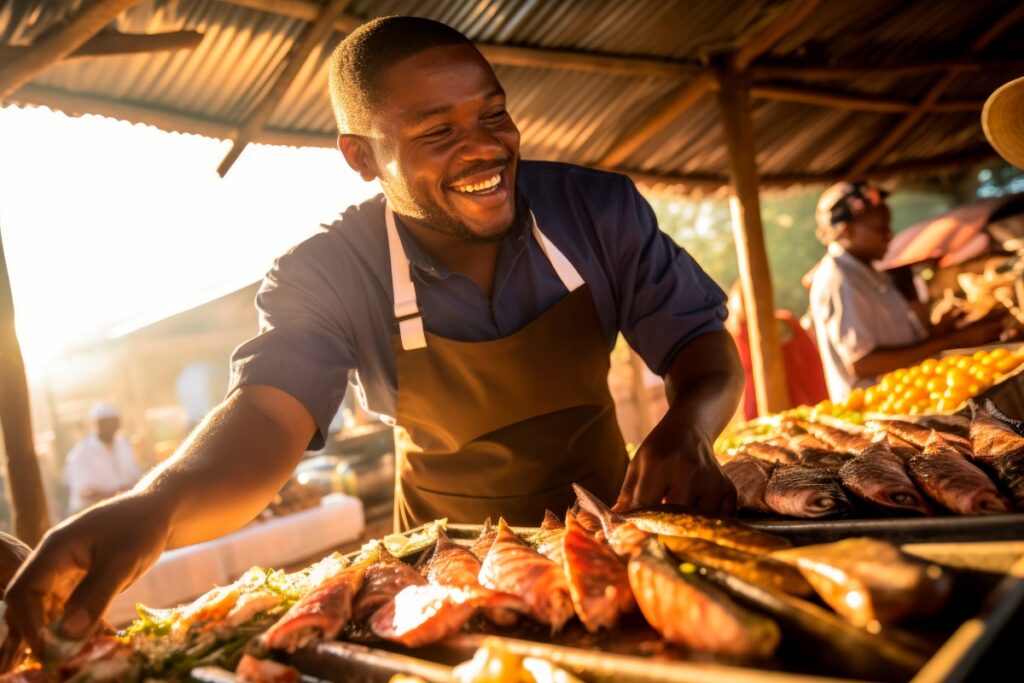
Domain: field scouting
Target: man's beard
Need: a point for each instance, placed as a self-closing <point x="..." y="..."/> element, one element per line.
<point x="437" y="219"/>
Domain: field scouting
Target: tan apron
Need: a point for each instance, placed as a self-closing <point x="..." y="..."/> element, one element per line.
<point x="502" y="427"/>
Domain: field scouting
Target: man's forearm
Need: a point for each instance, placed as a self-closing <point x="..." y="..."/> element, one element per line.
<point x="704" y="383"/>
<point x="231" y="466"/>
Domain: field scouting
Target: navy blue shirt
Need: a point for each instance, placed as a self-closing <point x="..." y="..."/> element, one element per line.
<point x="326" y="307"/>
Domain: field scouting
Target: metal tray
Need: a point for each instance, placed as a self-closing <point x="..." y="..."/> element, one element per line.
<point x="997" y="569"/>
<point x="1007" y="527"/>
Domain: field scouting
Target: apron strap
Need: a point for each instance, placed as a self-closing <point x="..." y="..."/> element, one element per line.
<point x="407" y="311"/>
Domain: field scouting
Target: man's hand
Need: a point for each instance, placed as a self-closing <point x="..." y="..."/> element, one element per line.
<point x="677" y="466"/>
<point x="985" y="331"/>
<point x="83" y="563"/>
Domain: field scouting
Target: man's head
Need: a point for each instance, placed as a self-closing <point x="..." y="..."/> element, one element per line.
<point x="1002" y="119"/>
<point x="419" y="108"/>
<point x="108" y="420"/>
<point x="856" y="217"/>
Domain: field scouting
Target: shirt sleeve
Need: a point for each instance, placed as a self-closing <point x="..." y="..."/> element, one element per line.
<point x="849" y="324"/>
<point x="666" y="300"/>
<point x="303" y="347"/>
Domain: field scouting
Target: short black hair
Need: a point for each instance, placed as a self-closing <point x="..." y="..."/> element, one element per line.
<point x="362" y="57"/>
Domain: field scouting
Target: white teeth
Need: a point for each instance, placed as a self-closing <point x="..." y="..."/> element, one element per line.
<point x="479" y="187"/>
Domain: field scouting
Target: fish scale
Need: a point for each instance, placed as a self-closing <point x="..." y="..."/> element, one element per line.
<point x="879" y="477"/>
<point x="955" y="483"/>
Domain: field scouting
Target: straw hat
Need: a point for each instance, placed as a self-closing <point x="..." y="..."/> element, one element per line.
<point x="1003" y="121"/>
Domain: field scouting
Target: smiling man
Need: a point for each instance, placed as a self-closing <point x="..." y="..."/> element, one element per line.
<point x="475" y="301"/>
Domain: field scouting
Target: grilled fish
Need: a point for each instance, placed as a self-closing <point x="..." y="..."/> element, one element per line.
<point x="512" y="566"/>
<point x="879" y="477"/>
<point x="917" y="435"/>
<point x="320" y="614"/>
<point x="623" y="536"/>
<point x="687" y="609"/>
<point x="955" y="483"/>
<point x="457" y="567"/>
<point x="548" y="540"/>
<point x="590" y="523"/>
<point x="997" y="445"/>
<point x="482" y="544"/>
<point x="749" y="475"/>
<point x="904" y="450"/>
<point x="254" y="670"/>
<point x="420" y="615"/>
<point x="830" y="461"/>
<point x="768" y="452"/>
<point x="760" y="569"/>
<point x="672" y="521"/>
<point x="384" y="579"/>
<point x="807" y="492"/>
<point x="868" y="580"/>
<point x="846" y="441"/>
<point x="598" y="581"/>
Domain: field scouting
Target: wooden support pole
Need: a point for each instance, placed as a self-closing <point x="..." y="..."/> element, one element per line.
<point x="90" y="19"/>
<point x="755" y="275"/>
<point x="852" y="72"/>
<point x="901" y="130"/>
<point x="505" y="55"/>
<point x="311" y="37"/>
<point x="110" y="43"/>
<point x="25" y="484"/>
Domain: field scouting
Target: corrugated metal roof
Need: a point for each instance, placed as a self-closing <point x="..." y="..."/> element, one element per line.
<point x="567" y="115"/>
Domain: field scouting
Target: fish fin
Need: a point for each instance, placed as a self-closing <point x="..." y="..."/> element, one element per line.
<point x="592" y="504"/>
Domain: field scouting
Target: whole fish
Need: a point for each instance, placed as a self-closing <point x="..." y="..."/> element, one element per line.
<point x="598" y="581"/>
<point x="320" y="614"/>
<point x="1000" y="447"/>
<point x="548" y="540"/>
<point x="948" y="478"/>
<point x="687" y="609"/>
<point x="384" y="579"/>
<point x="844" y="440"/>
<point x="917" y="435"/>
<point x="749" y="476"/>
<point x="483" y="543"/>
<point x="768" y="452"/>
<point x="879" y="477"/>
<point x="674" y="521"/>
<point x="760" y="569"/>
<point x="512" y="566"/>
<point x="807" y="492"/>
<point x="457" y="567"/>
<point x="867" y="580"/>
<point x="624" y="537"/>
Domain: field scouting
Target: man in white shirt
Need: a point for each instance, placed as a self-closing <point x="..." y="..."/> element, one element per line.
<point x="102" y="463"/>
<point x="864" y="325"/>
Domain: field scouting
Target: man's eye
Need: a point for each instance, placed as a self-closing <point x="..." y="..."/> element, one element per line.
<point x="496" y="115"/>
<point x="435" y="134"/>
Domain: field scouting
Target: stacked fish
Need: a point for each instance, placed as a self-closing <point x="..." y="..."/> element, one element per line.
<point x="811" y="470"/>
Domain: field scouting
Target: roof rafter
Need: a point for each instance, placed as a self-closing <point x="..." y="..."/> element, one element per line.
<point x="877" y="151"/>
<point x="848" y="72"/>
<point x="92" y="16"/>
<point x="854" y="101"/>
<point x="108" y="43"/>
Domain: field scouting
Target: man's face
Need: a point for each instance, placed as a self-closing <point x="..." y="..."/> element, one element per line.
<point x="869" y="234"/>
<point x="444" y="145"/>
<point x="107" y="427"/>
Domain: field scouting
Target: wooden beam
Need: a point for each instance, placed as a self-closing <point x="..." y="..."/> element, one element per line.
<point x="691" y="93"/>
<point x="25" y="485"/>
<point x="74" y="104"/>
<point x="110" y="43"/>
<point x="840" y="100"/>
<point x="312" y="36"/>
<point x="847" y="72"/>
<point x="505" y="55"/>
<point x="90" y="19"/>
<point x="755" y="275"/>
<point x="901" y="130"/>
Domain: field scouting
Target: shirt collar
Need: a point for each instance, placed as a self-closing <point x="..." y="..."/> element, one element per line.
<point x="840" y="254"/>
<point x="513" y="243"/>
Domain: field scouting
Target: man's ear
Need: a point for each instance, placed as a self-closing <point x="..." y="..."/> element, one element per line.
<point x="359" y="156"/>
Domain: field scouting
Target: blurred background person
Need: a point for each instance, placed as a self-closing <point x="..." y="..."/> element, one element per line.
<point x="804" y="375"/>
<point x="102" y="463"/>
<point x="864" y="324"/>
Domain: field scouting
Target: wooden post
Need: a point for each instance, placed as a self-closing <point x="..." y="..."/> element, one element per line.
<point x="25" y="484"/>
<point x="738" y="131"/>
<point x="89" y="20"/>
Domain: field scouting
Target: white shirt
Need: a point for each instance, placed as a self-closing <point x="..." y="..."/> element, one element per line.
<point x="92" y="466"/>
<point x="856" y="309"/>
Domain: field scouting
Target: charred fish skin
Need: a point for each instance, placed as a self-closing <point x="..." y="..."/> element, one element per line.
<point x="952" y="481"/>
<point x="917" y="435"/>
<point x="671" y="520"/>
<point x="321" y="614"/>
<point x="512" y="566"/>
<point x="687" y="609"/>
<point x="749" y="476"/>
<point x="598" y="580"/>
<point x="767" y="452"/>
<point x="991" y="438"/>
<point x="879" y="477"/>
<point x="806" y="492"/>
<point x="762" y="570"/>
<point x="838" y="439"/>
